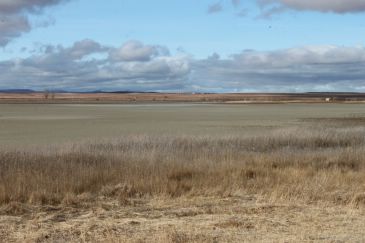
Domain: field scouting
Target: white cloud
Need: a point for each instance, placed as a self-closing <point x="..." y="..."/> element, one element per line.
<point x="16" y="6"/>
<point x="215" y="8"/>
<point x="310" y="68"/>
<point x="13" y="16"/>
<point x="335" y="6"/>
<point x="88" y="65"/>
<point x="307" y="55"/>
<point x="136" y="51"/>
<point x="12" y="27"/>
<point x="273" y="7"/>
<point x="221" y="5"/>
<point x="57" y="67"/>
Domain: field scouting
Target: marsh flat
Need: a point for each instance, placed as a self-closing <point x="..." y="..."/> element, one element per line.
<point x="29" y="124"/>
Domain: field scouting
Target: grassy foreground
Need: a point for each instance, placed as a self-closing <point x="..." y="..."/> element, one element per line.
<point x="238" y="181"/>
<point x="300" y="164"/>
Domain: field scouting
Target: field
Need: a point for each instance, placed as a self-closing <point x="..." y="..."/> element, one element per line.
<point x="126" y="97"/>
<point x="182" y="172"/>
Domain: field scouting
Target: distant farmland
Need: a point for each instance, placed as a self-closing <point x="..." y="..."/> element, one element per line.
<point x="49" y="97"/>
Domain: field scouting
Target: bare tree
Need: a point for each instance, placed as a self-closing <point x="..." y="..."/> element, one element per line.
<point x="46" y="94"/>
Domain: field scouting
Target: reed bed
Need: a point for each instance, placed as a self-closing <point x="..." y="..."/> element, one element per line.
<point x="307" y="164"/>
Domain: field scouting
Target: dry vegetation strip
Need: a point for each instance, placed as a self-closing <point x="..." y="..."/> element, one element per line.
<point x="309" y="165"/>
<point x="50" y="97"/>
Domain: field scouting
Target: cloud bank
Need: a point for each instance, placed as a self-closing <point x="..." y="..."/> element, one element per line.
<point x="335" y="6"/>
<point x="272" y="7"/>
<point x="13" y="16"/>
<point x="89" y="65"/>
<point x="312" y="68"/>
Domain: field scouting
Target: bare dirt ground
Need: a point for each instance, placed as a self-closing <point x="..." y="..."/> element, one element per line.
<point x="231" y="219"/>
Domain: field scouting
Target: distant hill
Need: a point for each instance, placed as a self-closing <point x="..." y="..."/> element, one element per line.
<point x="334" y="93"/>
<point x="17" y="91"/>
<point x="77" y="92"/>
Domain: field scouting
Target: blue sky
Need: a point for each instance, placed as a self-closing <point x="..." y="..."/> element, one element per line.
<point x="187" y="25"/>
<point x="307" y="33"/>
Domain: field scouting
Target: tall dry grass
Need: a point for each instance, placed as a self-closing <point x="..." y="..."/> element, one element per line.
<point x="304" y="164"/>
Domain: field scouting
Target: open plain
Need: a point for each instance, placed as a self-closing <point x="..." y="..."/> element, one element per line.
<point x="182" y="172"/>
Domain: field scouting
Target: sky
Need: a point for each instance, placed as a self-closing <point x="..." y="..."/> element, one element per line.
<point x="183" y="46"/>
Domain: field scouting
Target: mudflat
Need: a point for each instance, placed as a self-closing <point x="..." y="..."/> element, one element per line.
<point x="32" y="124"/>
